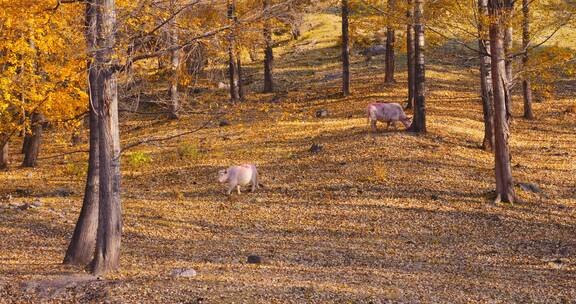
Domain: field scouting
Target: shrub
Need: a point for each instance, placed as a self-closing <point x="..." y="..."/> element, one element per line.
<point x="138" y="159"/>
<point x="75" y="169"/>
<point x="187" y="150"/>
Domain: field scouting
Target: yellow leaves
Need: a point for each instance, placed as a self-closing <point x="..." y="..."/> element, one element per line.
<point x="40" y="52"/>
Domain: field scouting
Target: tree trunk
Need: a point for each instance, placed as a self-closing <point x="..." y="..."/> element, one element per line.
<point x="4" y="156"/>
<point x="526" y="88"/>
<point x="174" y="66"/>
<point x="83" y="242"/>
<point x="390" y="41"/>
<point x="268" y="52"/>
<point x="25" y="142"/>
<point x="239" y="71"/>
<point x="410" y="53"/>
<point x="234" y="95"/>
<point x="107" y="253"/>
<point x="345" y="50"/>
<point x="508" y="44"/>
<point x="33" y="145"/>
<point x="504" y="180"/>
<point x="419" y="120"/>
<point x="486" y="77"/>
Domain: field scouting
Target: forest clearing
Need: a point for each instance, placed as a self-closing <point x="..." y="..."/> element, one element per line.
<point x="344" y="215"/>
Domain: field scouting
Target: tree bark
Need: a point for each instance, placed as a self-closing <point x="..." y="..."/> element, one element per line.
<point x="410" y="53"/>
<point x="34" y="141"/>
<point x="419" y="120"/>
<point x="486" y="77"/>
<point x="345" y="50"/>
<point x="25" y="142"/>
<point x="174" y="66"/>
<point x="268" y="51"/>
<point x="4" y="156"/>
<point x="107" y="252"/>
<point x="526" y="87"/>
<point x="390" y="41"/>
<point x="508" y="44"/>
<point x="83" y="243"/>
<point x="234" y="94"/>
<point x="239" y="71"/>
<point x="504" y="180"/>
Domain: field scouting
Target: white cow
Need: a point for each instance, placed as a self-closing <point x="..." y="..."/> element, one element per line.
<point x="237" y="176"/>
<point x="389" y="113"/>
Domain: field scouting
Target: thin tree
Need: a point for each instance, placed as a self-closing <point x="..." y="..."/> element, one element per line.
<point x="345" y="50"/>
<point x="32" y="146"/>
<point x="174" y="64"/>
<point x="83" y="243"/>
<point x="419" y="120"/>
<point x="508" y="44"/>
<point x="504" y="180"/>
<point x="268" y="51"/>
<point x="232" y="72"/>
<point x="238" y="51"/>
<point x="107" y="252"/>
<point x="4" y="156"/>
<point x="239" y="71"/>
<point x="485" y="76"/>
<point x="526" y="88"/>
<point x="410" y="52"/>
<point x="390" y="42"/>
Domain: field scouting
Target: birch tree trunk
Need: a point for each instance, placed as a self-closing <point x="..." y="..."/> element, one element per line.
<point x="174" y="65"/>
<point x="486" y="76"/>
<point x="419" y="120"/>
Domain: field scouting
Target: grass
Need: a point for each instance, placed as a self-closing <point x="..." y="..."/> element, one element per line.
<point x="386" y="217"/>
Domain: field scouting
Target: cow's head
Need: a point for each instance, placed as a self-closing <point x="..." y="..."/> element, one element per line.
<point x="223" y="175"/>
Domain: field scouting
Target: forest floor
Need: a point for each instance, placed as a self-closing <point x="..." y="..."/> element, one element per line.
<point x="373" y="218"/>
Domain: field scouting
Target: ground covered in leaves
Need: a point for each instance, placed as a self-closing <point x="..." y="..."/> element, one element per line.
<point x="384" y="218"/>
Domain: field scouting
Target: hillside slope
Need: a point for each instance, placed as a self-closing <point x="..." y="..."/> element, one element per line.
<point x="390" y="217"/>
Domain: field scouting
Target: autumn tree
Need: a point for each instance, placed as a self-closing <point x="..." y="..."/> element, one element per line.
<point x="504" y="181"/>
<point x="4" y="156"/>
<point x="526" y="87"/>
<point x="419" y="120"/>
<point x="390" y="43"/>
<point x="40" y="75"/>
<point x="32" y="148"/>
<point x="232" y="71"/>
<point x="485" y="75"/>
<point x="410" y="52"/>
<point x="345" y="50"/>
<point x="107" y="252"/>
<point x="175" y="55"/>
<point x="268" y="51"/>
<point x="508" y="44"/>
<point x="83" y="243"/>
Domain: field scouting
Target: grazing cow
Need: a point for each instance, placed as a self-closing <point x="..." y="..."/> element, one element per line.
<point x="389" y="113"/>
<point x="237" y="176"/>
